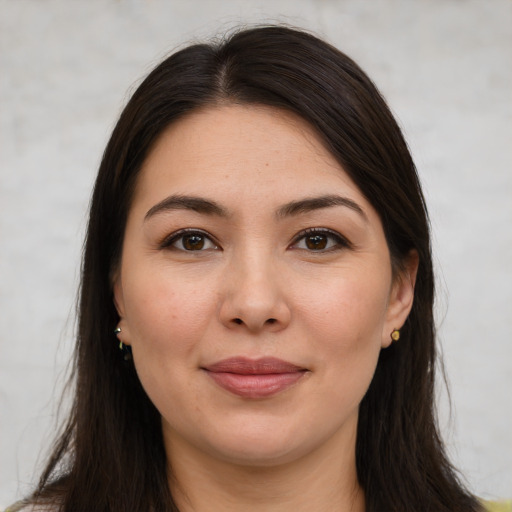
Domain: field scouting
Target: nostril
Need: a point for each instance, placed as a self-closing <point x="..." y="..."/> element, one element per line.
<point x="268" y="321"/>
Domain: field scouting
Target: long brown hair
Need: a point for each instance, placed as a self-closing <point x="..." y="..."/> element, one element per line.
<point x="110" y="456"/>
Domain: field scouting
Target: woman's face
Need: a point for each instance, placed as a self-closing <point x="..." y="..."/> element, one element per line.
<point x="255" y="288"/>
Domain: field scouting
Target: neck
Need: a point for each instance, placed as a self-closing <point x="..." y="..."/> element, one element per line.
<point x="323" y="481"/>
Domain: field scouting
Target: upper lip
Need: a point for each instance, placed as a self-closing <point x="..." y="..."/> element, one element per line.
<point x="247" y="366"/>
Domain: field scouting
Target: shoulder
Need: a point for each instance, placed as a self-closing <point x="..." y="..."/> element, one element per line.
<point x="497" y="506"/>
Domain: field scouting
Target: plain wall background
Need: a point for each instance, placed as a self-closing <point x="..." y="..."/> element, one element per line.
<point x="445" y="66"/>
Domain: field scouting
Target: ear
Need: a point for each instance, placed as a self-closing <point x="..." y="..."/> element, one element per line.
<point x="117" y="289"/>
<point x="401" y="297"/>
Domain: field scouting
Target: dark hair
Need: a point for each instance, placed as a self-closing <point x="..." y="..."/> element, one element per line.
<point x="110" y="456"/>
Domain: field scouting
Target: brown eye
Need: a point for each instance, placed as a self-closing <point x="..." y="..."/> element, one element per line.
<point x="189" y="241"/>
<point x="194" y="242"/>
<point x="320" y="240"/>
<point x="316" y="242"/>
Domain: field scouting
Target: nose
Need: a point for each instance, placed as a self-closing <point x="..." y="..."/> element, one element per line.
<point x="253" y="297"/>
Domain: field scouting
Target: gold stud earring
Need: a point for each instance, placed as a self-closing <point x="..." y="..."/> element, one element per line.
<point x="395" y="335"/>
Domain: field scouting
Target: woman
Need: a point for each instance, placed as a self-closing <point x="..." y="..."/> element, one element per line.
<point x="255" y="326"/>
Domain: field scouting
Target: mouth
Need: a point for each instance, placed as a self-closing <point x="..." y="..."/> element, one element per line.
<point x="254" y="378"/>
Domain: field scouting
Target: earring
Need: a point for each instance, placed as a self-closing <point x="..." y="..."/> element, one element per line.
<point x="395" y="335"/>
<point x="117" y="330"/>
<point x="125" y="349"/>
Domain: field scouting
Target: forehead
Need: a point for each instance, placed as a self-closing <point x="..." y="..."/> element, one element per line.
<point x="231" y="150"/>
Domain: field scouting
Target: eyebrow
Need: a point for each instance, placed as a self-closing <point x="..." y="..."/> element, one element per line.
<point x="178" y="202"/>
<point x="317" y="203"/>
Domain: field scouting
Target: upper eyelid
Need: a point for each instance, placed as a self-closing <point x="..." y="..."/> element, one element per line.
<point x="321" y="231"/>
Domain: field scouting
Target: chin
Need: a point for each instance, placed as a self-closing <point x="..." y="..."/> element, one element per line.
<point x="262" y="448"/>
<point x="260" y="455"/>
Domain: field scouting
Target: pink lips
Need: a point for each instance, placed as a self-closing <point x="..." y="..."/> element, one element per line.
<point x="254" y="378"/>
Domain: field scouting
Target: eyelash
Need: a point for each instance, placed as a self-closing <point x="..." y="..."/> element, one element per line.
<point x="177" y="235"/>
<point x="340" y="242"/>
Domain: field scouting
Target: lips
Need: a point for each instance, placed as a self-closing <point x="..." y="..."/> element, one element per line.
<point x="254" y="378"/>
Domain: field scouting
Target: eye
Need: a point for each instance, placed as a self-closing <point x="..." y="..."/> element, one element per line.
<point x="189" y="240"/>
<point x="319" y="240"/>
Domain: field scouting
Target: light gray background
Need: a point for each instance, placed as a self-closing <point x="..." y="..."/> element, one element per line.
<point x="445" y="66"/>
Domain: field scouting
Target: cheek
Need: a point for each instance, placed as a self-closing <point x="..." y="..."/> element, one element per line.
<point x="167" y="318"/>
<point x="344" y="324"/>
<point x="349" y="309"/>
<point x="165" y="313"/>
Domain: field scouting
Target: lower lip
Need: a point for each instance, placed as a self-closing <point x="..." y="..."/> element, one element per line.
<point x="256" y="386"/>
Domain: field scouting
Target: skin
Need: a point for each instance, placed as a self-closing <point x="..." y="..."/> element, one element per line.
<point x="256" y="288"/>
